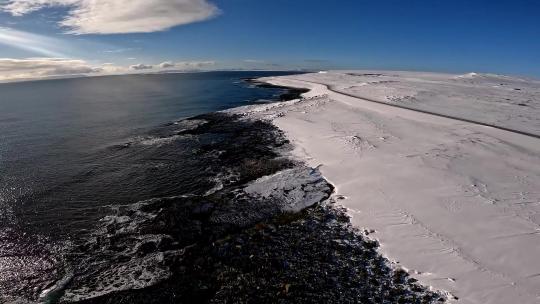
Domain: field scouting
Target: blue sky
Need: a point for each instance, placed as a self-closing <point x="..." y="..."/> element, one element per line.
<point x="449" y="36"/>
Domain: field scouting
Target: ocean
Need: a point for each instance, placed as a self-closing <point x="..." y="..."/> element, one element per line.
<point x="73" y="149"/>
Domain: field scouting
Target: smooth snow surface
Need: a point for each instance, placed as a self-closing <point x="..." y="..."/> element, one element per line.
<point x="455" y="203"/>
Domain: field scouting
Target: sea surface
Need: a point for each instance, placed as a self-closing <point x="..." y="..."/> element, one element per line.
<point x="72" y="150"/>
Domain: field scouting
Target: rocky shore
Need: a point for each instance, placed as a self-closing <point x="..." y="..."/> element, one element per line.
<point x="290" y="94"/>
<point x="253" y="225"/>
<point x="271" y="233"/>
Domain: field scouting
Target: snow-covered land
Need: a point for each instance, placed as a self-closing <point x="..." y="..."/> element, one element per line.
<point x="451" y="199"/>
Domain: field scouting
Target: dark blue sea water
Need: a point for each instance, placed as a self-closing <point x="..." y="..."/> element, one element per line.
<point x="71" y="148"/>
<point x="50" y="129"/>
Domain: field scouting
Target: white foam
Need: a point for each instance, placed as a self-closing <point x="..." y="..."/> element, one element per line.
<point x="103" y="274"/>
<point x="158" y="141"/>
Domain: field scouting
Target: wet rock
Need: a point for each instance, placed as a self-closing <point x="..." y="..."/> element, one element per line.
<point x="204" y="209"/>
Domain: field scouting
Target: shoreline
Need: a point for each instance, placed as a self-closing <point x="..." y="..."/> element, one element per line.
<point x="264" y="227"/>
<point x="292" y="93"/>
<point x="270" y="233"/>
<point x="343" y="140"/>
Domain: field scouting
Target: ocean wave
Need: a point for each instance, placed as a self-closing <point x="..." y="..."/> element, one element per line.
<point x="130" y="251"/>
<point x="189" y="124"/>
<point x="180" y="127"/>
<point x="139" y="244"/>
<point x="158" y="141"/>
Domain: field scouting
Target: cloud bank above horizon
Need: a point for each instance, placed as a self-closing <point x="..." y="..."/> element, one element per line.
<point x="12" y="70"/>
<point x="187" y="65"/>
<point x="119" y="16"/>
<point x="35" y="68"/>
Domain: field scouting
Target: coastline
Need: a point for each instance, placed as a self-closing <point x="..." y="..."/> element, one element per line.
<point x="363" y="149"/>
<point x="378" y="199"/>
<point x="262" y="226"/>
<point x="291" y="94"/>
<point x="270" y="232"/>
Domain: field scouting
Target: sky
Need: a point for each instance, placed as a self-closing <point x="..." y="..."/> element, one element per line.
<point x="44" y="38"/>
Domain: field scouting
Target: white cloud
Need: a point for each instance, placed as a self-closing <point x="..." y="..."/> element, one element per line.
<point x="187" y="65"/>
<point x="193" y="65"/>
<point x="166" y="65"/>
<point x="41" y="68"/>
<point x="140" y="66"/>
<point x="120" y="16"/>
<point x="38" y="44"/>
<point x="32" y="68"/>
<point x="196" y="64"/>
<point x="113" y="69"/>
<point x="181" y="65"/>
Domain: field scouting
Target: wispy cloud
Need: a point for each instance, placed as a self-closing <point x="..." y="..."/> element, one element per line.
<point x="117" y="51"/>
<point x="38" y="44"/>
<point x="119" y="16"/>
<point x="177" y="66"/>
<point x="187" y="65"/>
<point x="141" y="66"/>
<point x="316" y="60"/>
